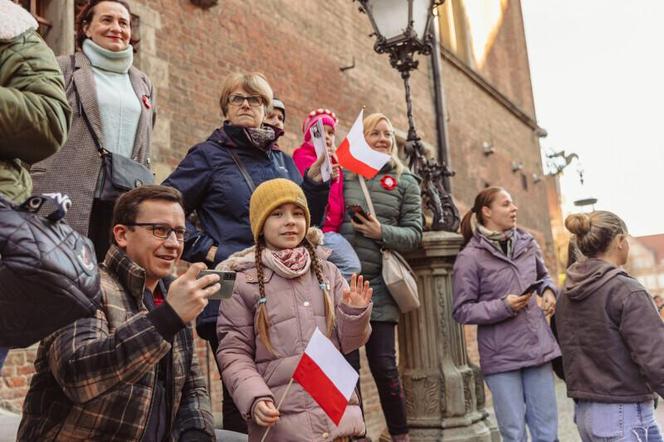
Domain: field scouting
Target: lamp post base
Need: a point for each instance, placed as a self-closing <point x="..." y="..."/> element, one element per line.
<point x="444" y="391"/>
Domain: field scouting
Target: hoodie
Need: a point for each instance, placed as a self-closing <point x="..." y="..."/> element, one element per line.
<point x="610" y="334"/>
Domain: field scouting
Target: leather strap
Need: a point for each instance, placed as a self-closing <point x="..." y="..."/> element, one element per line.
<point x="363" y="185"/>
<point x="93" y="134"/>
<point x="243" y="170"/>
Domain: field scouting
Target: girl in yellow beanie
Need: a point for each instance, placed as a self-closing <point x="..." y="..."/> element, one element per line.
<point x="285" y="289"/>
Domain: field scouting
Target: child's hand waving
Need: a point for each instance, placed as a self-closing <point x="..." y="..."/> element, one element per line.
<point x="359" y="294"/>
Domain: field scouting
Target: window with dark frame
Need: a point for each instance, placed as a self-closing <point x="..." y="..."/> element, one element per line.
<point x="36" y="8"/>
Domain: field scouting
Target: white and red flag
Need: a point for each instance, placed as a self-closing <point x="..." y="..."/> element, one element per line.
<point x="355" y="154"/>
<point x="326" y="376"/>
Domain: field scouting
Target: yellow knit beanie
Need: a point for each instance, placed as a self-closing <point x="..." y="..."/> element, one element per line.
<point x="270" y="195"/>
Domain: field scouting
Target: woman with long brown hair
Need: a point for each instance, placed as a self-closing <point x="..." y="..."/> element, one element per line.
<point x="493" y="287"/>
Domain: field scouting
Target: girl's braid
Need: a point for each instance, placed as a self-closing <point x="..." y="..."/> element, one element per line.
<point x="261" y="321"/>
<point x="324" y="285"/>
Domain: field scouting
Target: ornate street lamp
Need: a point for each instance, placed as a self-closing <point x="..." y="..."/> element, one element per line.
<point x="403" y="28"/>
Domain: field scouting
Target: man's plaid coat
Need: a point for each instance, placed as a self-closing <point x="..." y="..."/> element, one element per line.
<point x="95" y="377"/>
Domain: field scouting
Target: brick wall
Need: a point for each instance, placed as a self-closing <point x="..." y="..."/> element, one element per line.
<point x="15" y="378"/>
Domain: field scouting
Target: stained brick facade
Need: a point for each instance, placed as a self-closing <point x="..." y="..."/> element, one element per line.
<point x="300" y="46"/>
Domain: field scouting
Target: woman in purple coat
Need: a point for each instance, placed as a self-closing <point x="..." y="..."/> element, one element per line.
<point x="493" y="277"/>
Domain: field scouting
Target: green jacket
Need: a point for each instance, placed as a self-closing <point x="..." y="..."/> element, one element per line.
<point x="34" y="114"/>
<point x="400" y="213"/>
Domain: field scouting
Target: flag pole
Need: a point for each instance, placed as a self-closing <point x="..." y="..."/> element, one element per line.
<point x="281" y="401"/>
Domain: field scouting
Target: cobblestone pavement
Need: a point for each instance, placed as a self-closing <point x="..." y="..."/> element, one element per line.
<point x="8" y="426"/>
<point x="566" y="427"/>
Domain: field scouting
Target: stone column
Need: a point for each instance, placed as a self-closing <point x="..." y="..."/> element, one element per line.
<point x="61" y="37"/>
<point x="444" y="392"/>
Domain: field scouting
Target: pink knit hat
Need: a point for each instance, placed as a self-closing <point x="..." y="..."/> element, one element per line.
<point x="328" y="117"/>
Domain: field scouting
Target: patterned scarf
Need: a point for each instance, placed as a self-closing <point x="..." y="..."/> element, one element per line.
<point x="503" y="241"/>
<point x="287" y="263"/>
<point x="260" y="138"/>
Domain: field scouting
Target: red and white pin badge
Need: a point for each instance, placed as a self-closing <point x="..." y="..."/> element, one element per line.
<point x="146" y="102"/>
<point x="388" y="182"/>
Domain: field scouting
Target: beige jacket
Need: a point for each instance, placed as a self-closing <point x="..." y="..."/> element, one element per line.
<point x="295" y="308"/>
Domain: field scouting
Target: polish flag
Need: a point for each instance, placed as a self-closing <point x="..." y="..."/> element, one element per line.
<point x="326" y="376"/>
<point x="355" y="154"/>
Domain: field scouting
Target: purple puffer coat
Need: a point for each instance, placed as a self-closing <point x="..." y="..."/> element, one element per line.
<point x="483" y="277"/>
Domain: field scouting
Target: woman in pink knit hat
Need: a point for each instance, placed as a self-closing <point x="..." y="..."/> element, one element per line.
<point x="343" y="255"/>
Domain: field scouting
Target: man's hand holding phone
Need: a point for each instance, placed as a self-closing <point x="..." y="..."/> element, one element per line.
<point x="188" y="295"/>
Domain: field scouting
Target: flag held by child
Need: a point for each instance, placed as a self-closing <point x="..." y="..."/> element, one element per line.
<point x="355" y="154"/>
<point x="326" y="376"/>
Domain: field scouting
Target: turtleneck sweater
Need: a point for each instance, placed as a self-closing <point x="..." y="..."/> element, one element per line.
<point x="119" y="107"/>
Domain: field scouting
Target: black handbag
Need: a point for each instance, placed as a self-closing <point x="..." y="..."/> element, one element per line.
<point x="48" y="271"/>
<point x="119" y="174"/>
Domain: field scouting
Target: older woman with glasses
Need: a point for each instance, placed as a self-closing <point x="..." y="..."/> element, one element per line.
<point x="217" y="178"/>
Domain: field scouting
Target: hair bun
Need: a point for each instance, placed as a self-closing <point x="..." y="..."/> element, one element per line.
<point x="578" y="224"/>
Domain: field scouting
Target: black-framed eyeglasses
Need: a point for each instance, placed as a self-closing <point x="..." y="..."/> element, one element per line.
<point x="253" y="100"/>
<point x="162" y="231"/>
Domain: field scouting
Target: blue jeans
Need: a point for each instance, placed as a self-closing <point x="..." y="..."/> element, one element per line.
<point x="3" y="355"/>
<point x="525" y="396"/>
<point x="343" y="255"/>
<point x="604" y="422"/>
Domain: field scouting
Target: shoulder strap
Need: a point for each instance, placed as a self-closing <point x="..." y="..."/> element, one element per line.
<point x="367" y="197"/>
<point x="93" y="134"/>
<point x="243" y="170"/>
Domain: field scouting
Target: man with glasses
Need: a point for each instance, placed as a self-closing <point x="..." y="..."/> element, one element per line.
<point x="130" y="373"/>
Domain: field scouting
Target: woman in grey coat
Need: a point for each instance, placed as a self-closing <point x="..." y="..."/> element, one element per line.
<point x="395" y="193"/>
<point x="493" y="277"/>
<point x="114" y="108"/>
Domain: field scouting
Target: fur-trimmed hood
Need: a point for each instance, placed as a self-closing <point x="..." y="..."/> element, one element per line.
<point x="244" y="259"/>
<point x="14" y="20"/>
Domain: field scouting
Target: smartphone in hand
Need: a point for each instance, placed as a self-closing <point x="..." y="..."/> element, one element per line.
<point x="227" y="281"/>
<point x="354" y="210"/>
<point x="534" y="287"/>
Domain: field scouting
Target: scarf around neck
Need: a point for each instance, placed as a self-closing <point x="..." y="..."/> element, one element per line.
<point x="260" y="138"/>
<point x="503" y="241"/>
<point x="287" y="263"/>
<point x="118" y="62"/>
